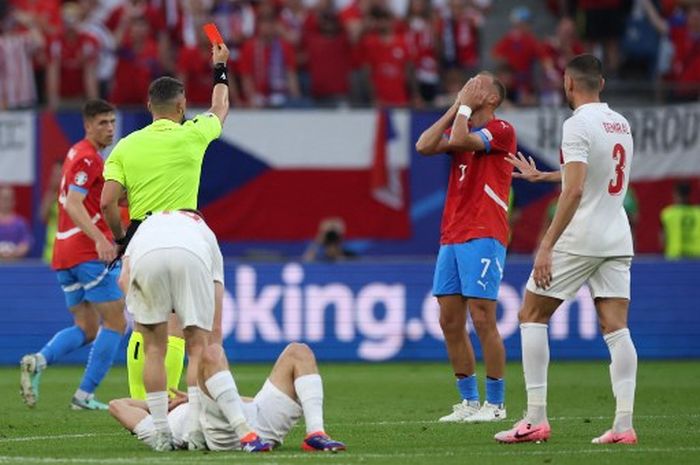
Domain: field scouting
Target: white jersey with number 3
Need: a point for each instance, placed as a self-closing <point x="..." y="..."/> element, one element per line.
<point x="602" y="139"/>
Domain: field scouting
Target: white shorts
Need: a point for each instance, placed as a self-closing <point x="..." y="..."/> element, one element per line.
<point x="145" y="430"/>
<point x="606" y="276"/>
<point x="176" y="279"/>
<point x="272" y="414"/>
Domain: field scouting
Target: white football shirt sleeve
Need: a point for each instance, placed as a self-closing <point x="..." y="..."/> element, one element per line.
<point x="575" y="142"/>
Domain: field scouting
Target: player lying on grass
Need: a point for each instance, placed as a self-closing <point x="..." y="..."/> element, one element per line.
<point x="293" y="388"/>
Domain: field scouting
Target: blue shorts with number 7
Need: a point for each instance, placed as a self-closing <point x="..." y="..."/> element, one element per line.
<point x="472" y="269"/>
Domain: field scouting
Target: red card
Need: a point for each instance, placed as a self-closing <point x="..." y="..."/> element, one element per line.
<point x="213" y="34"/>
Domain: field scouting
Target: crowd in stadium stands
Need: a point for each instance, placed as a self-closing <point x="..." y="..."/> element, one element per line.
<point x="326" y="52"/>
<point x="15" y="234"/>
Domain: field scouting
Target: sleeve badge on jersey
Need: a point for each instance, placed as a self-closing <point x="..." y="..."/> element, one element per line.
<point x="81" y="178"/>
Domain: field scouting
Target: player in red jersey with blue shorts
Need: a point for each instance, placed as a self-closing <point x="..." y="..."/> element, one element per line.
<point x="82" y="249"/>
<point x="473" y="239"/>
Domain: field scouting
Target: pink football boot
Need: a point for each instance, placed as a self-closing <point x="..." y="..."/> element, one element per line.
<point x="626" y="437"/>
<point x="525" y="432"/>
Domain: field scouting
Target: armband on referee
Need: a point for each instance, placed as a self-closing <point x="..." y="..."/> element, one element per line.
<point x="220" y="74"/>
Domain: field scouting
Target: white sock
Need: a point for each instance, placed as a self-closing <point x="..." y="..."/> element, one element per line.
<point x="223" y="390"/>
<point x="535" y="348"/>
<point x="40" y="361"/>
<point x="623" y="375"/>
<point x="82" y="395"/>
<point x="309" y="390"/>
<point x="158" y="406"/>
<point x="195" y="406"/>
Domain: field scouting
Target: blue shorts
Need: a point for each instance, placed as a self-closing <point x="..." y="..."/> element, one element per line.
<point x="89" y="282"/>
<point x="472" y="269"/>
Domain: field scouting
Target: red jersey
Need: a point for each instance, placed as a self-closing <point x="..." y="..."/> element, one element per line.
<point x="156" y="22"/>
<point x="82" y="171"/>
<point x="560" y="55"/>
<point x="460" y="38"/>
<point x="194" y="65"/>
<point x="135" y="71"/>
<point x="268" y="76"/>
<point x="477" y="194"/>
<point x="520" y="49"/>
<point x="73" y="54"/>
<point x="387" y="60"/>
<point x="328" y="81"/>
<point x="420" y="36"/>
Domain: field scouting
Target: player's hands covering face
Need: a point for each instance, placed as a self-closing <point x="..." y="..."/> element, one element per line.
<point x="474" y="93"/>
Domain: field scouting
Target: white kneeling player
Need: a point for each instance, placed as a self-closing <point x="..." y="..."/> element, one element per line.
<point x="589" y="241"/>
<point x="293" y="388"/>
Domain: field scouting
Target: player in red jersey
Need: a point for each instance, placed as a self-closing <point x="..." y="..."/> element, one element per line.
<point x="83" y="245"/>
<point x="473" y="240"/>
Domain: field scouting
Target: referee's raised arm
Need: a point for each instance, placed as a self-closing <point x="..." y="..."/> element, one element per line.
<point x="220" y="94"/>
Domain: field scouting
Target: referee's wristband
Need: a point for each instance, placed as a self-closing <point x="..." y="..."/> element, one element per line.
<point x="465" y="111"/>
<point x="220" y="74"/>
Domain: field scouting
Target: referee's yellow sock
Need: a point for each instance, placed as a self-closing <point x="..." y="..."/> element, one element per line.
<point x="174" y="362"/>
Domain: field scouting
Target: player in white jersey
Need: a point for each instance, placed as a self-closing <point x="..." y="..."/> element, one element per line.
<point x="589" y="241"/>
<point x="293" y="388"/>
<point x="171" y="264"/>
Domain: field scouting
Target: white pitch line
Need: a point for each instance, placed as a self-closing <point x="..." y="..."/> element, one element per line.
<point x="59" y="436"/>
<point x="356" y="423"/>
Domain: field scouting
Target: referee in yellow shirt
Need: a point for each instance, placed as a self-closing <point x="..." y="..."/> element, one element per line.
<point x="159" y="168"/>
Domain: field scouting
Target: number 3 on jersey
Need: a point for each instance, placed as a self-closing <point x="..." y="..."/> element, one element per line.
<point x="616" y="185"/>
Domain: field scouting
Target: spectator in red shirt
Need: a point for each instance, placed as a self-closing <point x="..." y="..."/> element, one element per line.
<point x="420" y="33"/>
<point x="133" y="8"/>
<point x="293" y="19"/>
<point x="353" y="17"/>
<point x="46" y="14"/>
<point x="160" y="30"/>
<point x="327" y="43"/>
<point x="20" y="40"/>
<point x="386" y="55"/>
<point x="520" y="49"/>
<point x="72" y="72"/>
<point x="138" y="63"/>
<point x="686" y="61"/>
<point x="557" y="51"/>
<point x="459" y="35"/>
<point x="267" y="66"/>
<point x="236" y="22"/>
<point x="194" y="71"/>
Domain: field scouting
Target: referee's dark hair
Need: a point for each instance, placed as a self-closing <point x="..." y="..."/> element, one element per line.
<point x="164" y="90"/>
<point x="96" y="106"/>
<point x="587" y="70"/>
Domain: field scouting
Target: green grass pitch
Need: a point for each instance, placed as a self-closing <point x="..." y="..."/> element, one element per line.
<point x="386" y="414"/>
